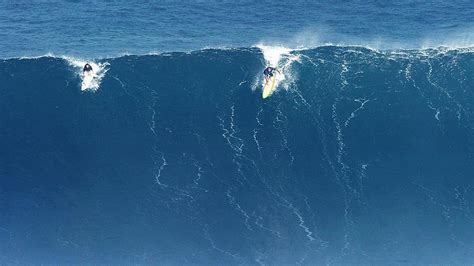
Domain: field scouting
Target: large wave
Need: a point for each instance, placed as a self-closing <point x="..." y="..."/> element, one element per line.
<point x="360" y="156"/>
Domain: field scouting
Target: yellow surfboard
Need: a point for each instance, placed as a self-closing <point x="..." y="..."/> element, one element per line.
<point x="269" y="87"/>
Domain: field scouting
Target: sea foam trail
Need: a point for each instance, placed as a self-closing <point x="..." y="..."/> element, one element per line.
<point x="89" y="83"/>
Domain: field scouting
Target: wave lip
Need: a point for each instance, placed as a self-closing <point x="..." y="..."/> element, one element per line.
<point x="272" y="53"/>
<point x="277" y="56"/>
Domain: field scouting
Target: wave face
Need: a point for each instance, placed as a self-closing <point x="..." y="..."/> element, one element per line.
<point x="359" y="157"/>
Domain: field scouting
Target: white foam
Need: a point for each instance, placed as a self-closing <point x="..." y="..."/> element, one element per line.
<point x="89" y="82"/>
<point x="280" y="58"/>
<point x="273" y="54"/>
<point x="36" y="57"/>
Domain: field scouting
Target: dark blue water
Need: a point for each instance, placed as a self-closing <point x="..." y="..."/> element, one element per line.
<point x="361" y="156"/>
<point x="366" y="158"/>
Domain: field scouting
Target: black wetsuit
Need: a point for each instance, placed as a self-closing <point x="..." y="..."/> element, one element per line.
<point x="87" y="68"/>
<point x="268" y="72"/>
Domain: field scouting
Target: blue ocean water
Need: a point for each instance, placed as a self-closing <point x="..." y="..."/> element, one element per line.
<point x="92" y="28"/>
<point x="362" y="156"/>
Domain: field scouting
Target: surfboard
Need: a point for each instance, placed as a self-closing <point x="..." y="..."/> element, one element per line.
<point x="269" y="86"/>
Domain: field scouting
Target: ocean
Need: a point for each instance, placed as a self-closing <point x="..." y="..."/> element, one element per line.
<point x="363" y="155"/>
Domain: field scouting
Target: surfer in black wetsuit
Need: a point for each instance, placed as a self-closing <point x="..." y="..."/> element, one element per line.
<point x="86" y="68"/>
<point x="269" y="72"/>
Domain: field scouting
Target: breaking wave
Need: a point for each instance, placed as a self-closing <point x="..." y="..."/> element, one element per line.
<point x="360" y="156"/>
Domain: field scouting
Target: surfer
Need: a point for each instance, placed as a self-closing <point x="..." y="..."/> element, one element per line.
<point x="87" y="69"/>
<point x="269" y="72"/>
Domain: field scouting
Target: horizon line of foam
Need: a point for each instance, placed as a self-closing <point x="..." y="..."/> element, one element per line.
<point x="444" y="48"/>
